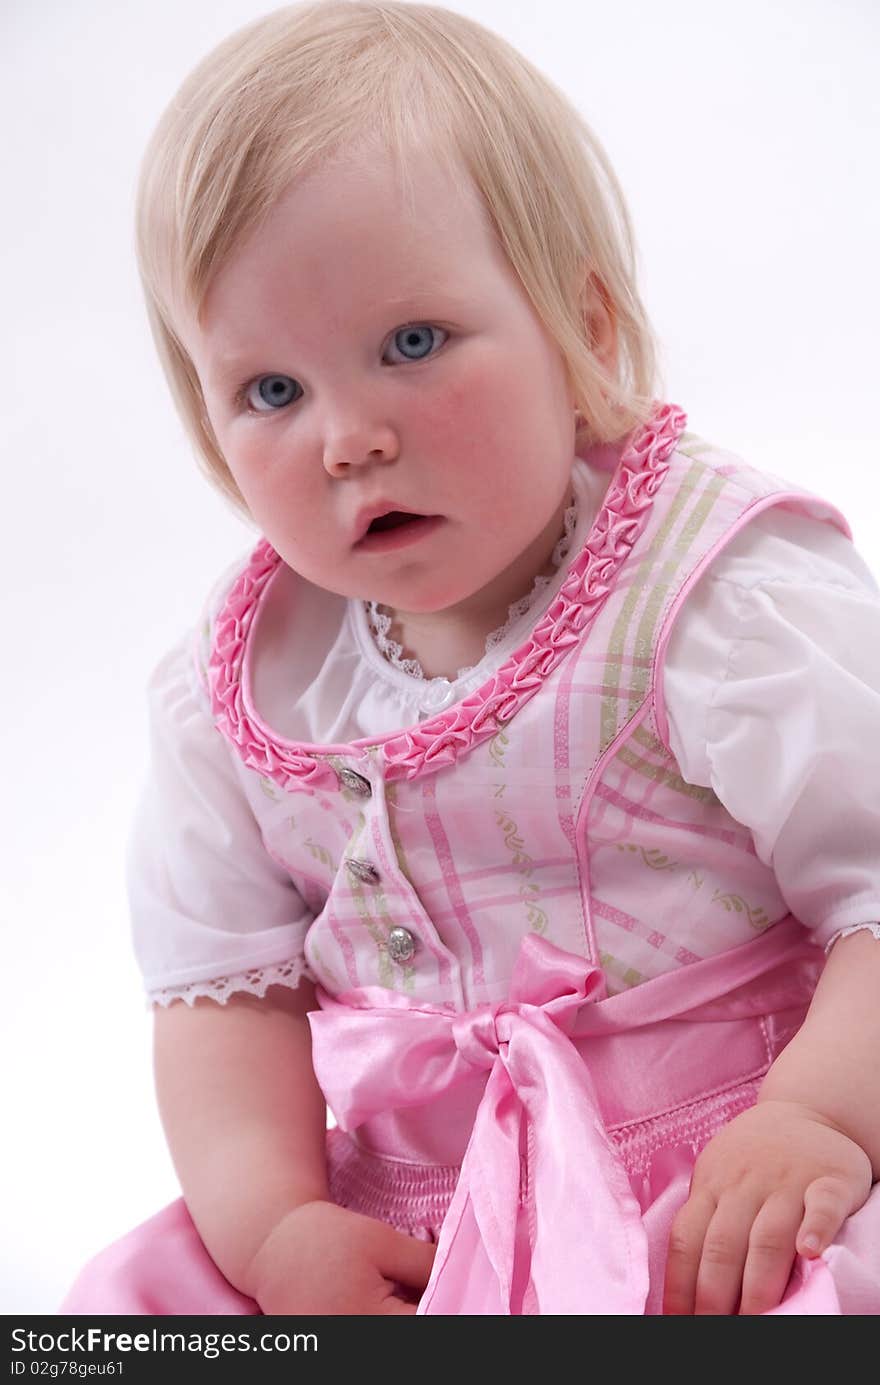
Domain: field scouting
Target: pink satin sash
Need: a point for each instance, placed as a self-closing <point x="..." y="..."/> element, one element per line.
<point x="543" y="1218"/>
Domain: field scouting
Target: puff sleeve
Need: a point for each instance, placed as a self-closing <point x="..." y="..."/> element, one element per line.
<point x="211" y="912"/>
<point x="772" y="691"/>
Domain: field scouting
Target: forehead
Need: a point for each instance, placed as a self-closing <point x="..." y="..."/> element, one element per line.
<point x="380" y="229"/>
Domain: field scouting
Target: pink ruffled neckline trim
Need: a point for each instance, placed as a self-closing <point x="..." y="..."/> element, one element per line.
<point x="439" y="741"/>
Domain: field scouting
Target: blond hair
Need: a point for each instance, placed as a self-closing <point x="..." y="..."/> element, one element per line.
<point x="291" y="90"/>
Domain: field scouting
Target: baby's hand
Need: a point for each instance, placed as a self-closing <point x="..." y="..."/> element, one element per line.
<point x="777" y="1180"/>
<point x="323" y="1259"/>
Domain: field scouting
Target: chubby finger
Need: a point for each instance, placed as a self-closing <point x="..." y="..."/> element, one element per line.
<point x="827" y="1204"/>
<point x="395" y="1306"/>
<point x="406" y="1259"/>
<point x="723" y="1257"/>
<point x="770" y="1253"/>
<point x="683" y="1256"/>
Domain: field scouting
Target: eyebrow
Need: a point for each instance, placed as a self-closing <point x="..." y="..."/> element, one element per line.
<point x="222" y="369"/>
<point x="233" y="363"/>
<point x="419" y="295"/>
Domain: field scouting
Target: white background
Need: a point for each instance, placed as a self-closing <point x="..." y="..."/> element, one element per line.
<point x="746" y="139"/>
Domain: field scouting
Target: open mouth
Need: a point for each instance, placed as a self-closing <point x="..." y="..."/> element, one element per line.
<point x="392" y="520"/>
<point x="396" y="529"/>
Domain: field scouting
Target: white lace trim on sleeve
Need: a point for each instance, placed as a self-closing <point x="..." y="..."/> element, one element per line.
<point x="853" y="928"/>
<point x="254" y="981"/>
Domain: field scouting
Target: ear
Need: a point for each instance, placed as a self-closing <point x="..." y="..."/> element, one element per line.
<point x="600" y="319"/>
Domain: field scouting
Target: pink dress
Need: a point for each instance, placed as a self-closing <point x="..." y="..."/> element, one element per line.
<point x="549" y="967"/>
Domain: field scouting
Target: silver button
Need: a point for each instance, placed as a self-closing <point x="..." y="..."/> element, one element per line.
<point x="401" y="945"/>
<point x="437" y="697"/>
<point x="356" y="783"/>
<point x="363" y="871"/>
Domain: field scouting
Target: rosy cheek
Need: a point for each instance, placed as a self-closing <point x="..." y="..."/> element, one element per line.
<point x="249" y="476"/>
<point x="468" y="409"/>
<point x="261" y="463"/>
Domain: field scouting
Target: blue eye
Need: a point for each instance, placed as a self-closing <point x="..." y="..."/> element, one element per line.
<point x="271" y="392"/>
<point x="417" y="340"/>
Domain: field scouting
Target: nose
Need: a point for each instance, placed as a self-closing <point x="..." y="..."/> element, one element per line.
<point x="358" y="444"/>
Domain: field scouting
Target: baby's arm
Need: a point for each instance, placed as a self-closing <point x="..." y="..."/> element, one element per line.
<point x="784" y="1176"/>
<point x="245" y="1122"/>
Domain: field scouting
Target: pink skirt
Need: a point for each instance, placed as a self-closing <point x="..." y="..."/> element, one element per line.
<point x="162" y="1268"/>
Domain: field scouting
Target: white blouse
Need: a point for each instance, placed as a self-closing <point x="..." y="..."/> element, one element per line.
<point x="777" y="646"/>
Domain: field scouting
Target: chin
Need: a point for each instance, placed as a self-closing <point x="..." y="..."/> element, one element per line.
<point x="426" y="601"/>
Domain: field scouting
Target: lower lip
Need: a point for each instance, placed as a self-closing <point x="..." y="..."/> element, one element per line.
<point x="388" y="540"/>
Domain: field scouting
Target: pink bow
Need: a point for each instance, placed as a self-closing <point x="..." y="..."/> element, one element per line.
<point x="538" y="1149"/>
